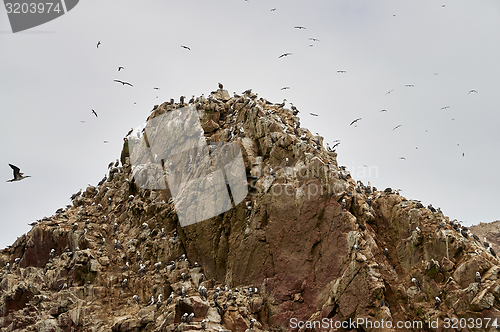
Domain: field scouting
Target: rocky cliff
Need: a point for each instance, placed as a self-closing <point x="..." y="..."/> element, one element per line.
<point x="309" y="248"/>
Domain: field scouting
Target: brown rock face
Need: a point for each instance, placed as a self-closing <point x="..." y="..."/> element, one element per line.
<point x="308" y="246"/>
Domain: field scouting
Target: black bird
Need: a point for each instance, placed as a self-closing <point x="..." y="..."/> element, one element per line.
<point x="221" y="86"/>
<point x="187" y="48"/>
<point x="18" y="176"/>
<point x="396" y="127"/>
<point x="436" y="304"/>
<point x="388" y="92"/>
<point x="273" y="9"/>
<point x="123" y="82"/>
<point x="354" y="121"/>
<point x="492" y="252"/>
<point x="383" y="111"/>
<point x="409" y="85"/>
<point x="98" y="43"/>
<point x="313" y="114"/>
<point x="284" y="54"/>
<point x="120" y="68"/>
<point x="314" y="39"/>
<point x="129" y="132"/>
<point x="341" y="71"/>
<point x="155" y="88"/>
<point x="285" y="88"/>
<point x="299" y="27"/>
<point x="471" y="91"/>
<point x="94" y="113"/>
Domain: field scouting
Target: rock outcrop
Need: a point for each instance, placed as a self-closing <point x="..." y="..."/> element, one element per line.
<point x="309" y="245"/>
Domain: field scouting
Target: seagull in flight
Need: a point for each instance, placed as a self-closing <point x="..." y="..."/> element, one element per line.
<point x="341" y="71"/>
<point x="273" y="9"/>
<point x="472" y="91"/>
<point x="445" y="107"/>
<point x="388" y="92"/>
<point x="123" y="82"/>
<point x="120" y="68"/>
<point x="284" y="54"/>
<point x="409" y="85"/>
<point x="299" y="27"/>
<point x="313" y="114"/>
<point x="18" y="176"/>
<point x="187" y="48"/>
<point x="384" y="110"/>
<point x="285" y="88"/>
<point x="94" y="113"/>
<point x="314" y="39"/>
<point x="354" y="121"/>
<point x="98" y="43"/>
<point x="396" y="127"/>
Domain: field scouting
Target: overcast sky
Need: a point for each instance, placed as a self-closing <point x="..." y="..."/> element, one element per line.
<point x="51" y="77"/>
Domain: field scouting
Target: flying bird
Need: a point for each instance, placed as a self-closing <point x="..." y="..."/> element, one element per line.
<point x="285" y="88"/>
<point x="396" y="127"/>
<point x="313" y="114"/>
<point x="187" y="48"/>
<point x="273" y="9"/>
<point x="120" y="68"/>
<point x="284" y="54"/>
<point x="156" y="88"/>
<point x="299" y="27"/>
<point x="94" y="113"/>
<point x="471" y="91"/>
<point x="18" y="176"/>
<point x="384" y="110"/>
<point x="341" y="71"/>
<point x="388" y="92"/>
<point x="409" y="85"/>
<point x="314" y="39"/>
<point x="98" y="43"/>
<point x="105" y="141"/>
<point x="123" y="82"/>
<point x="445" y="107"/>
<point x="354" y="121"/>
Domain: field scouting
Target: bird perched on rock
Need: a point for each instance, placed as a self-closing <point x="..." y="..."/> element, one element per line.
<point x="478" y="277"/>
<point x="158" y="303"/>
<point x="170" y="298"/>
<point x="136" y="299"/>
<point x="486" y="244"/>
<point x="492" y="251"/>
<point x="343" y="204"/>
<point x="171" y="266"/>
<point x="157" y="266"/>
<point x="386" y="252"/>
<point x="118" y="245"/>
<point x="52" y="253"/>
<point x="126" y="266"/>
<point x="190" y="318"/>
<point x="203" y="325"/>
<point x="124" y="282"/>
<point x="221" y="86"/>
<point x="75" y="227"/>
<point x="138" y="256"/>
<point x="151" y="301"/>
<point x="202" y="290"/>
<point x="142" y="269"/>
<point x="437" y="303"/>
<point x="416" y="282"/>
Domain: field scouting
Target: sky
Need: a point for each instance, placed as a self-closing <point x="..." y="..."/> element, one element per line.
<point x="53" y="75"/>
